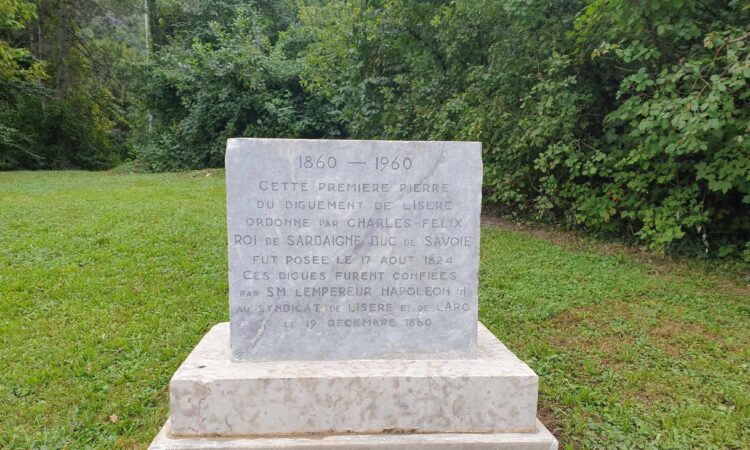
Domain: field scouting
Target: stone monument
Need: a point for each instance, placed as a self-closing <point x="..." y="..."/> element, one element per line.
<point x="353" y="275"/>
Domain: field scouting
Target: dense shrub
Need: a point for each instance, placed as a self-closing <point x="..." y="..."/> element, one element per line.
<point x="666" y="84"/>
<point x="224" y="79"/>
<point x="616" y="116"/>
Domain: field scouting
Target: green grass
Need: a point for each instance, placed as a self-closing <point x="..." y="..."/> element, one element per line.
<point x="107" y="281"/>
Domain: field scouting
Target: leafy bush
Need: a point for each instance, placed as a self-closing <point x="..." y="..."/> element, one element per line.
<point x="614" y="116"/>
<point x="668" y="156"/>
<point x="227" y="79"/>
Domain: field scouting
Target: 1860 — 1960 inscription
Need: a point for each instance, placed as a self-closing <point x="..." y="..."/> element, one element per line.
<point x="352" y="249"/>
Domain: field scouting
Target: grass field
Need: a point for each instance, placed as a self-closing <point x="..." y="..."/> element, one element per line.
<point x="107" y="281"/>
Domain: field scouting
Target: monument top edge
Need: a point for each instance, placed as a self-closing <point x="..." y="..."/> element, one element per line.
<point x="253" y="139"/>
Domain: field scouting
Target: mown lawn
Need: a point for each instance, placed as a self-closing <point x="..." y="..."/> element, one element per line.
<point x="108" y="280"/>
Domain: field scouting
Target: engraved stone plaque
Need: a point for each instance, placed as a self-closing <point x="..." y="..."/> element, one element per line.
<point x="352" y="249"/>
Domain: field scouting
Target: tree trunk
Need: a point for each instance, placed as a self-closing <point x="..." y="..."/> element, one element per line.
<point x="149" y="7"/>
<point x="60" y="63"/>
<point x="154" y="24"/>
<point x="40" y="42"/>
<point x="147" y="24"/>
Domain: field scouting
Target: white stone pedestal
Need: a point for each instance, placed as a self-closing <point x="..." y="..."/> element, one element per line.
<point x="486" y="401"/>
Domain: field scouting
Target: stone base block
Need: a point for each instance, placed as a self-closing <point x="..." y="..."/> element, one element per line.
<point x="492" y="391"/>
<point x="541" y="439"/>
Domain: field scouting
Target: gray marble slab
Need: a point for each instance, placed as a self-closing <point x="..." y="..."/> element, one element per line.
<point x="210" y="395"/>
<point x="352" y="249"/>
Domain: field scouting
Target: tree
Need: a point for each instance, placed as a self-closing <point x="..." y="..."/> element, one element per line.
<point x="75" y="114"/>
<point x="223" y="73"/>
<point x="19" y="74"/>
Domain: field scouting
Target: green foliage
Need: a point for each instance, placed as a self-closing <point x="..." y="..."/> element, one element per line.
<point x="217" y="80"/>
<point x="18" y="70"/>
<point x="16" y="63"/>
<point x="669" y="158"/>
<point x="613" y="116"/>
<point x="71" y="114"/>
